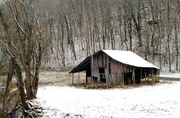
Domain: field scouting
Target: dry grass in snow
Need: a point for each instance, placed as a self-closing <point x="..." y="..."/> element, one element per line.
<point x="60" y="78"/>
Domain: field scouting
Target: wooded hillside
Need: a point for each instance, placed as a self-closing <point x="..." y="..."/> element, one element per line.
<point x="73" y="29"/>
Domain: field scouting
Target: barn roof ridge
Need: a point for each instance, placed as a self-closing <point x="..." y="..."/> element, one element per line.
<point x="129" y="58"/>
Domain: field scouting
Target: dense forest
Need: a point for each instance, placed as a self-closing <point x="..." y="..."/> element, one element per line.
<point x="69" y="30"/>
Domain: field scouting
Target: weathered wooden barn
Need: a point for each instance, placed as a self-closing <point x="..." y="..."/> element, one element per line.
<point x="116" y="67"/>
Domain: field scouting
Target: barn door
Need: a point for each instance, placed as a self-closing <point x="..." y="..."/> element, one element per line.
<point x="128" y="78"/>
<point x="102" y="75"/>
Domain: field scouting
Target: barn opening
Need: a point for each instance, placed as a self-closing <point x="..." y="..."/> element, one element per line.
<point x="102" y="75"/>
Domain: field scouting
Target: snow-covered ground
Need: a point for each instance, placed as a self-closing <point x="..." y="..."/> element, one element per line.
<point x="158" y="101"/>
<point x="173" y="75"/>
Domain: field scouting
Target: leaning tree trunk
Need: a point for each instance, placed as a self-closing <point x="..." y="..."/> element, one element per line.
<point x="20" y="85"/>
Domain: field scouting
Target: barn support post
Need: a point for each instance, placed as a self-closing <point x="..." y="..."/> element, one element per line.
<point x="92" y="65"/>
<point x="140" y="75"/>
<point x="107" y="68"/>
<point x="122" y="79"/>
<point x="79" y="76"/>
<point x="133" y="75"/>
<point x="158" y="73"/>
<point x="72" y="78"/>
<point x="152" y="75"/>
<point x="86" y="77"/>
<point x="145" y="75"/>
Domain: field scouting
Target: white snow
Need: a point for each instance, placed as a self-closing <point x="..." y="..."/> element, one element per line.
<point x="172" y="75"/>
<point x="161" y="101"/>
<point x="128" y="57"/>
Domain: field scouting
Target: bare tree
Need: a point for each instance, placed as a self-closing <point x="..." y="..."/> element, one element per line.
<point x="175" y="21"/>
<point x="24" y="42"/>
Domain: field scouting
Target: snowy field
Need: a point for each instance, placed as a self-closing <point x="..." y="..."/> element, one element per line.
<point x="158" y="101"/>
<point x="172" y="75"/>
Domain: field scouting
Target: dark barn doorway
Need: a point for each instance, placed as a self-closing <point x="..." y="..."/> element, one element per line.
<point x="102" y="75"/>
<point x="128" y="78"/>
<point x="138" y="75"/>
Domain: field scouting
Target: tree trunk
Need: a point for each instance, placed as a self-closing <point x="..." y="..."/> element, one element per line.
<point x="176" y="45"/>
<point x="20" y="85"/>
<point x="169" y="52"/>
